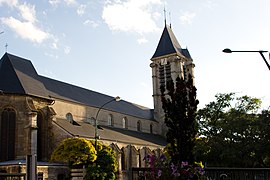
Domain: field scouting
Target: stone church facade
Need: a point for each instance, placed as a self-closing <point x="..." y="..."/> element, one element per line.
<point x="37" y="113"/>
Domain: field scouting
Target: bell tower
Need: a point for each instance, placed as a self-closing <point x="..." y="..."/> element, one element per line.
<point x="168" y="62"/>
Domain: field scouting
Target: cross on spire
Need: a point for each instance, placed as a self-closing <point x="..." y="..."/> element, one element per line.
<point x="164" y="15"/>
<point x="6" y="46"/>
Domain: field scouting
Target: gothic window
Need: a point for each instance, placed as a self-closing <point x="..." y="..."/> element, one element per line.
<point x="123" y="159"/>
<point x="110" y="120"/>
<point x="139" y="126"/>
<point x="164" y="73"/>
<point x="7" y="134"/>
<point x="124" y="123"/>
<point x="151" y="128"/>
<point x="41" y="136"/>
<point x="161" y="76"/>
<point x="184" y="72"/>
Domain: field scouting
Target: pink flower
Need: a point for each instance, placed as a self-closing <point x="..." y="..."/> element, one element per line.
<point x="159" y="173"/>
<point x="184" y="164"/>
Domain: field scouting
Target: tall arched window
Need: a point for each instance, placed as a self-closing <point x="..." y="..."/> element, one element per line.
<point x="110" y="120"/>
<point x="151" y="128"/>
<point x="7" y="134"/>
<point x="41" y="136"/>
<point x="138" y="125"/>
<point x="124" y="123"/>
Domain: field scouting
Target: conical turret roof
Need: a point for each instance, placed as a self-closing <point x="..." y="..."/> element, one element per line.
<point x="168" y="44"/>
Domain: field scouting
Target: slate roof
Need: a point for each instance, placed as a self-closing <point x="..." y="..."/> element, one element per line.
<point x="18" y="75"/>
<point x="168" y="44"/>
<point x="120" y="135"/>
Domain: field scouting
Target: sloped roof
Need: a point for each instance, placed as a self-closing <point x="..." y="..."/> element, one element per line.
<point x="111" y="134"/>
<point x="18" y="75"/>
<point x="168" y="44"/>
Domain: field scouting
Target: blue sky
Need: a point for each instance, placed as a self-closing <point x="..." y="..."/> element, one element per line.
<point x="106" y="45"/>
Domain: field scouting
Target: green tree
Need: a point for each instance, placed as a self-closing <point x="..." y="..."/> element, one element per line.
<point x="232" y="132"/>
<point x="180" y="105"/>
<point x="105" y="167"/>
<point x="75" y="151"/>
<point x="100" y="163"/>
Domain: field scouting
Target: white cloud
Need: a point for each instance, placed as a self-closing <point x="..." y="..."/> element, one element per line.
<point x="90" y="23"/>
<point x="28" y="12"/>
<point x="57" y="2"/>
<point x="142" y="40"/>
<point x="81" y="9"/>
<point x="67" y="49"/>
<point x="54" y="2"/>
<point x="26" y="30"/>
<point x="25" y="27"/>
<point x="71" y="2"/>
<point x="187" y="17"/>
<point x="55" y="44"/>
<point x="131" y="16"/>
<point x="9" y="2"/>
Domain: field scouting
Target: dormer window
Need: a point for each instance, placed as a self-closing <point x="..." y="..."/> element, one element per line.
<point x="90" y="120"/>
<point x="71" y="120"/>
<point x="69" y="117"/>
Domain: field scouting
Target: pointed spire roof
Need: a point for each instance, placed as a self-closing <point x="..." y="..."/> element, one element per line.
<point x="168" y="44"/>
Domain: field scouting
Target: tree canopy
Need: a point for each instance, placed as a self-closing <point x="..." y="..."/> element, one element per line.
<point x="105" y="167"/>
<point x="180" y="105"/>
<point x="100" y="163"/>
<point x="233" y="132"/>
<point x="75" y="151"/>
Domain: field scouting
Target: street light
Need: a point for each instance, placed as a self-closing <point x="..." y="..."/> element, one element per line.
<point x="117" y="98"/>
<point x="261" y="53"/>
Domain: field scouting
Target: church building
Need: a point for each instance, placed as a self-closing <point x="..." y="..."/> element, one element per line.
<point x="37" y="113"/>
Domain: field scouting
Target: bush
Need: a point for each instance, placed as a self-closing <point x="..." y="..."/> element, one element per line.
<point x="75" y="151"/>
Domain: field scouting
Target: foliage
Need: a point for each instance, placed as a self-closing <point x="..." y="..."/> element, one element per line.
<point x="163" y="168"/>
<point x="233" y="133"/>
<point x="180" y="105"/>
<point x="100" y="163"/>
<point x="75" y="151"/>
<point x="105" y="167"/>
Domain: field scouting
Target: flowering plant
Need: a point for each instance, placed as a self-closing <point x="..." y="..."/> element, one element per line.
<point x="162" y="168"/>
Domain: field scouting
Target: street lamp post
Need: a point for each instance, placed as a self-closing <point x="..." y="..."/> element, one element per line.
<point x="117" y="98"/>
<point x="261" y="53"/>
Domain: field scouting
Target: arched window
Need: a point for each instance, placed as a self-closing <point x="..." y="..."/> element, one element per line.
<point x="151" y="128"/>
<point x="7" y="134"/>
<point x="124" y="123"/>
<point x="138" y="125"/>
<point x="110" y="120"/>
<point x="69" y="117"/>
<point x="71" y="120"/>
<point x="41" y="135"/>
<point x="123" y="159"/>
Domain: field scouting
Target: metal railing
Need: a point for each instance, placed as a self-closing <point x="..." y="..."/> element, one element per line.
<point x="215" y="173"/>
